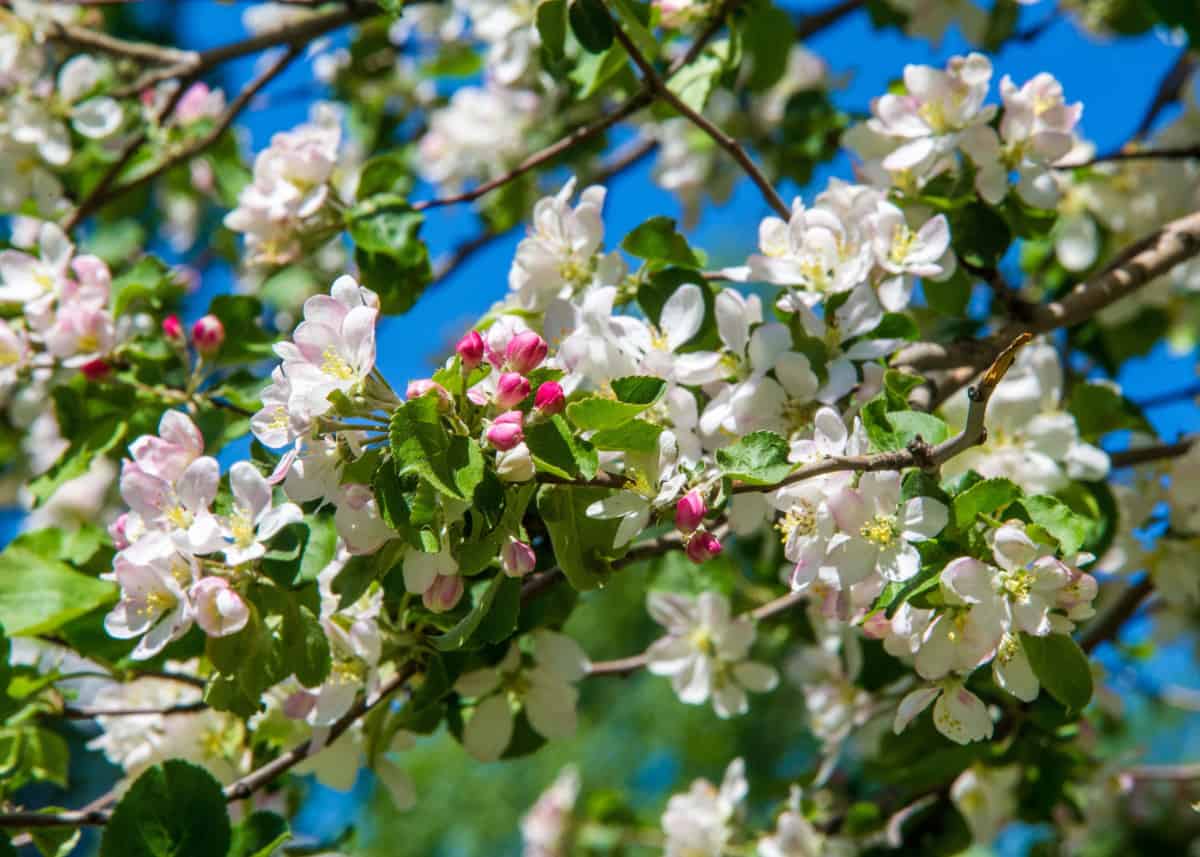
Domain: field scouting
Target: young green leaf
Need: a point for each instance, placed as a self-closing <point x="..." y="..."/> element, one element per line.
<point x="175" y="809"/>
<point x="1062" y="668"/>
<point x="759" y="458"/>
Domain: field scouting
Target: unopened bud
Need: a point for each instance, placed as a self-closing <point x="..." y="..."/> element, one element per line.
<point x="417" y="389"/>
<point x="470" y="350"/>
<point x="220" y="611"/>
<point x="172" y="328"/>
<point x="511" y="389"/>
<point x="518" y="558"/>
<point x="443" y="593"/>
<point x="550" y="398"/>
<point x="702" y="547"/>
<point x="96" y="369"/>
<point x="208" y="334"/>
<point x="507" y="430"/>
<point x="525" y="352"/>
<point x="690" y="512"/>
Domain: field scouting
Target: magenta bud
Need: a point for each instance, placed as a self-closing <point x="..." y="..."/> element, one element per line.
<point x="506" y="431"/>
<point x="118" y="530"/>
<point x="525" y="352"/>
<point x="690" y="512"/>
<point x="443" y="593"/>
<point x="209" y="334"/>
<point x="470" y="350"/>
<point x="518" y="558"/>
<point x="172" y="328"/>
<point x="96" y="370"/>
<point x="702" y="547"/>
<point x="511" y="389"/>
<point x="550" y="398"/>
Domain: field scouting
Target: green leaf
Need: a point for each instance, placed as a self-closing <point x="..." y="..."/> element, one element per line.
<point x="634" y="436"/>
<point x="980" y="236"/>
<point x="388" y="173"/>
<point x="421" y="445"/>
<point x="594" y="71"/>
<point x="149" y="284"/>
<point x="552" y="28"/>
<point x="458" y="636"/>
<point x="759" y="458"/>
<point x="500" y="622"/>
<point x="39" y="594"/>
<point x="634" y="395"/>
<point x="581" y="544"/>
<point x="949" y="296"/>
<point x="1056" y="518"/>
<point x="657" y="241"/>
<point x="245" y="338"/>
<point x="175" y="809"/>
<point x="766" y="51"/>
<point x="1098" y="409"/>
<point x="983" y="498"/>
<point x="391" y="255"/>
<point x="306" y="647"/>
<point x="591" y="24"/>
<point x="909" y="425"/>
<point x="1062" y="668"/>
<point x="260" y="835"/>
<point x="55" y="841"/>
<point x="556" y="450"/>
<point x="695" y="82"/>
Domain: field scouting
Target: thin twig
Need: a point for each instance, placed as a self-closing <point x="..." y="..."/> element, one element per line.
<point x="1171" y="153"/>
<point x="72" y="713"/>
<point x="1153" y="452"/>
<point x="1186" y="772"/>
<point x="1169" y="89"/>
<point x="916" y="455"/>
<point x="654" y="83"/>
<point x="1108" y="626"/>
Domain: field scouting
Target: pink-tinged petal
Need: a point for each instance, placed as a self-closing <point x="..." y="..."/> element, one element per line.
<point x="145" y="494"/>
<point x="197" y="487"/>
<point x="1012" y="548"/>
<point x="912" y="705"/>
<point x="969" y="579"/>
<point x="937" y="656"/>
<point x="358" y="334"/>
<point x="853" y="558"/>
<point x="325" y="310"/>
<point x="849" y="511"/>
<point x="961" y="716"/>
<point x="250" y="489"/>
<point x="278" y="518"/>
<point x="127" y="620"/>
<point x="177" y="428"/>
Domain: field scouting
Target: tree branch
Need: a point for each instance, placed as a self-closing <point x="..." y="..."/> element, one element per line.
<point x="1174" y="153"/>
<point x="655" y="84"/>
<point x="916" y="455"/>
<point x="1108" y="626"/>
<point x="1137" y="265"/>
<point x="1154" y="452"/>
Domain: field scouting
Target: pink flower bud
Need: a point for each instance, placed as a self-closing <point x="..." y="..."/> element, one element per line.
<point x="506" y="431"/>
<point x="299" y="704"/>
<point x="117" y="530"/>
<point x="220" y="611"/>
<point x="525" y="352"/>
<point x="690" y="512"/>
<point x="470" y="350"/>
<point x="96" y="369"/>
<point x="209" y="334"/>
<point x="417" y="389"/>
<point x="702" y="547"/>
<point x="443" y="593"/>
<point x="550" y="399"/>
<point x="172" y="328"/>
<point x="511" y="389"/>
<point x="518" y="558"/>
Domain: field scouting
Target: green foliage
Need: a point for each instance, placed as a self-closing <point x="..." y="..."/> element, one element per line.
<point x="390" y="253"/>
<point x="983" y="498"/>
<point x="591" y="24"/>
<point x="421" y="445"/>
<point x="556" y="449"/>
<point x="147" y="285"/>
<point x="175" y="809"/>
<point x="40" y="591"/>
<point x="1062" y="668"/>
<point x="659" y="243"/>
<point x="261" y="834"/>
<point x="759" y="458"/>
<point x="634" y="395"/>
<point x="582" y="545"/>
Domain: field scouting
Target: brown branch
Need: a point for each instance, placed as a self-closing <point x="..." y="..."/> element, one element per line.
<point x="917" y="454"/>
<point x="83" y="37"/>
<point x="1185" y="772"/>
<point x="1108" y="626"/>
<point x="1137" y="265"/>
<point x="1169" y="90"/>
<point x="1171" y="153"/>
<point x="1154" y="452"/>
<point x="237" y="790"/>
<point x="655" y="84"/>
<point x="815" y="22"/>
<point x="72" y="713"/>
<point x="103" y="194"/>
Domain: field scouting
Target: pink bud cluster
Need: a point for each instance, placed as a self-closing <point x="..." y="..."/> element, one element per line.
<point x="699" y="544"/>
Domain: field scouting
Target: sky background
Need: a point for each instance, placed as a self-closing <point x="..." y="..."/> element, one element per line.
<point x="1114" y="79"/>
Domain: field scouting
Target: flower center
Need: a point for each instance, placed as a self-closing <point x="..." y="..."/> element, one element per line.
<point x="335" y="364"/>
<point x="179" y="516"/>
<point x="880" y="530"/>
<point x="1017" y="583"/>
<point x="157" y="602"/>
<point x="702" y="641"/>
<point x="242" y="527"/>
<point x="800" y="519"/>
<point x="902" y="242"/>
